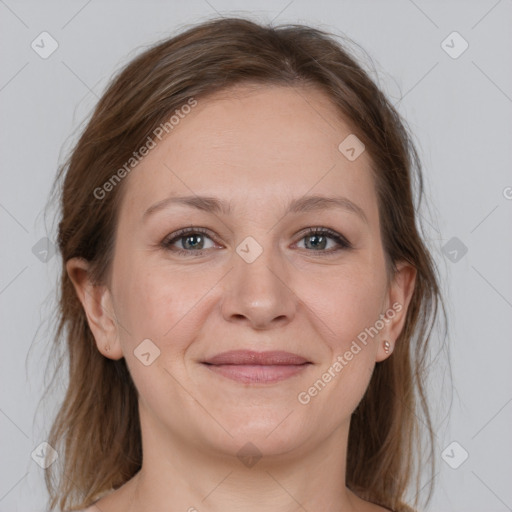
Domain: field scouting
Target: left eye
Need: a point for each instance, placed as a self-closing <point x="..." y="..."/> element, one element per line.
<point x="317" y="239"/>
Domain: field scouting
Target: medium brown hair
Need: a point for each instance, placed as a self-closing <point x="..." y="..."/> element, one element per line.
<point x="97" y="431"/>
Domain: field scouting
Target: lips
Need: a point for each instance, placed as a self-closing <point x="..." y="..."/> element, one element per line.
<point x="248" y="357"/>
<point x="252" y="367"/>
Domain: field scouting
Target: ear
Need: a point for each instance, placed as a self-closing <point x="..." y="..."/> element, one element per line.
<point x="97" y="303"/>
<point x="399" y="296"/>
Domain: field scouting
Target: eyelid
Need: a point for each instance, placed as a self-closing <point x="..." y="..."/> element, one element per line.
<point x="181" y="233"/>
<point x="331" y="233"/>
<point x="186" y="231"/>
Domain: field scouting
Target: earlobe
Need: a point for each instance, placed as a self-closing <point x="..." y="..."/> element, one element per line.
<point x="400" y="294"/>
<point x="97" y="303"/>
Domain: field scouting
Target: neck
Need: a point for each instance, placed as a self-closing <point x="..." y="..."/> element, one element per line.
<point x="185" y="476"/>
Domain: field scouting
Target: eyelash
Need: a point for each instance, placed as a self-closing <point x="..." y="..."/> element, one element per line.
<point x="316" y="231"/>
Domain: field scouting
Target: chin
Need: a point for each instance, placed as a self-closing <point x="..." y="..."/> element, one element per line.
<point x="264" y="434"/>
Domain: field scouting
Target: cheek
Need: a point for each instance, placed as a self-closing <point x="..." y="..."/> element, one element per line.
<point x="156" y="307"/>
<point x="343" y="311"/>
<point x="346" y="302"/>
<point x="161" y="304"/>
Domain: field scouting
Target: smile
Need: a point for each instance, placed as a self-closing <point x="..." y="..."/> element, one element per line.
<point x="250" y="367"/>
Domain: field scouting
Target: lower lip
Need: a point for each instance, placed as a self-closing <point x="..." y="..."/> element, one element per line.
<point x="253" y="374"/>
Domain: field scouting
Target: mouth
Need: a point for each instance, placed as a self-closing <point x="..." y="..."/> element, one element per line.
<point x="251" y="367"/>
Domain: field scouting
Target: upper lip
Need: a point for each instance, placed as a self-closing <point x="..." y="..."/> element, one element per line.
<point x="249" y="357"/>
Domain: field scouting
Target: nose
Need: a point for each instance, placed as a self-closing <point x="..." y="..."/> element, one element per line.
<point x="259" y="293"/>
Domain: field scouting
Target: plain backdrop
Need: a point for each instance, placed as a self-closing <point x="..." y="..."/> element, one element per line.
<point x="454" y="90"/>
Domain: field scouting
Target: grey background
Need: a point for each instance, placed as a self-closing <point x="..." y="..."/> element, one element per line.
<point x="459" y="110"/>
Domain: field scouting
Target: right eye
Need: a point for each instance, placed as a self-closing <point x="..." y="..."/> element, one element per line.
<point x="191" y="240"/>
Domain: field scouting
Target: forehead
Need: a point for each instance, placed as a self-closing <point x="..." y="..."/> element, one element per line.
<point x="253" y="143"/>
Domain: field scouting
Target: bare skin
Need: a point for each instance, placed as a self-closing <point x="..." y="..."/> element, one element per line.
<point x="258" y="148"/>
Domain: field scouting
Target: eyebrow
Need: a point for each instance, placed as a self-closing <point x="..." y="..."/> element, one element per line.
<point x="300" y="205"/>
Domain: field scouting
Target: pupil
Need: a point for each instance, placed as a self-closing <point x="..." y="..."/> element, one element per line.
<point x="193" y="245"/>
<point x="317" y="244"/>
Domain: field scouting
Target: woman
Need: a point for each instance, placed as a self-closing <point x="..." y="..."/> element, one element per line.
<point x="246" y="299"/>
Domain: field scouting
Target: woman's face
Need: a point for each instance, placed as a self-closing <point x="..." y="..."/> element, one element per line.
<point x="254" y="278"/>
